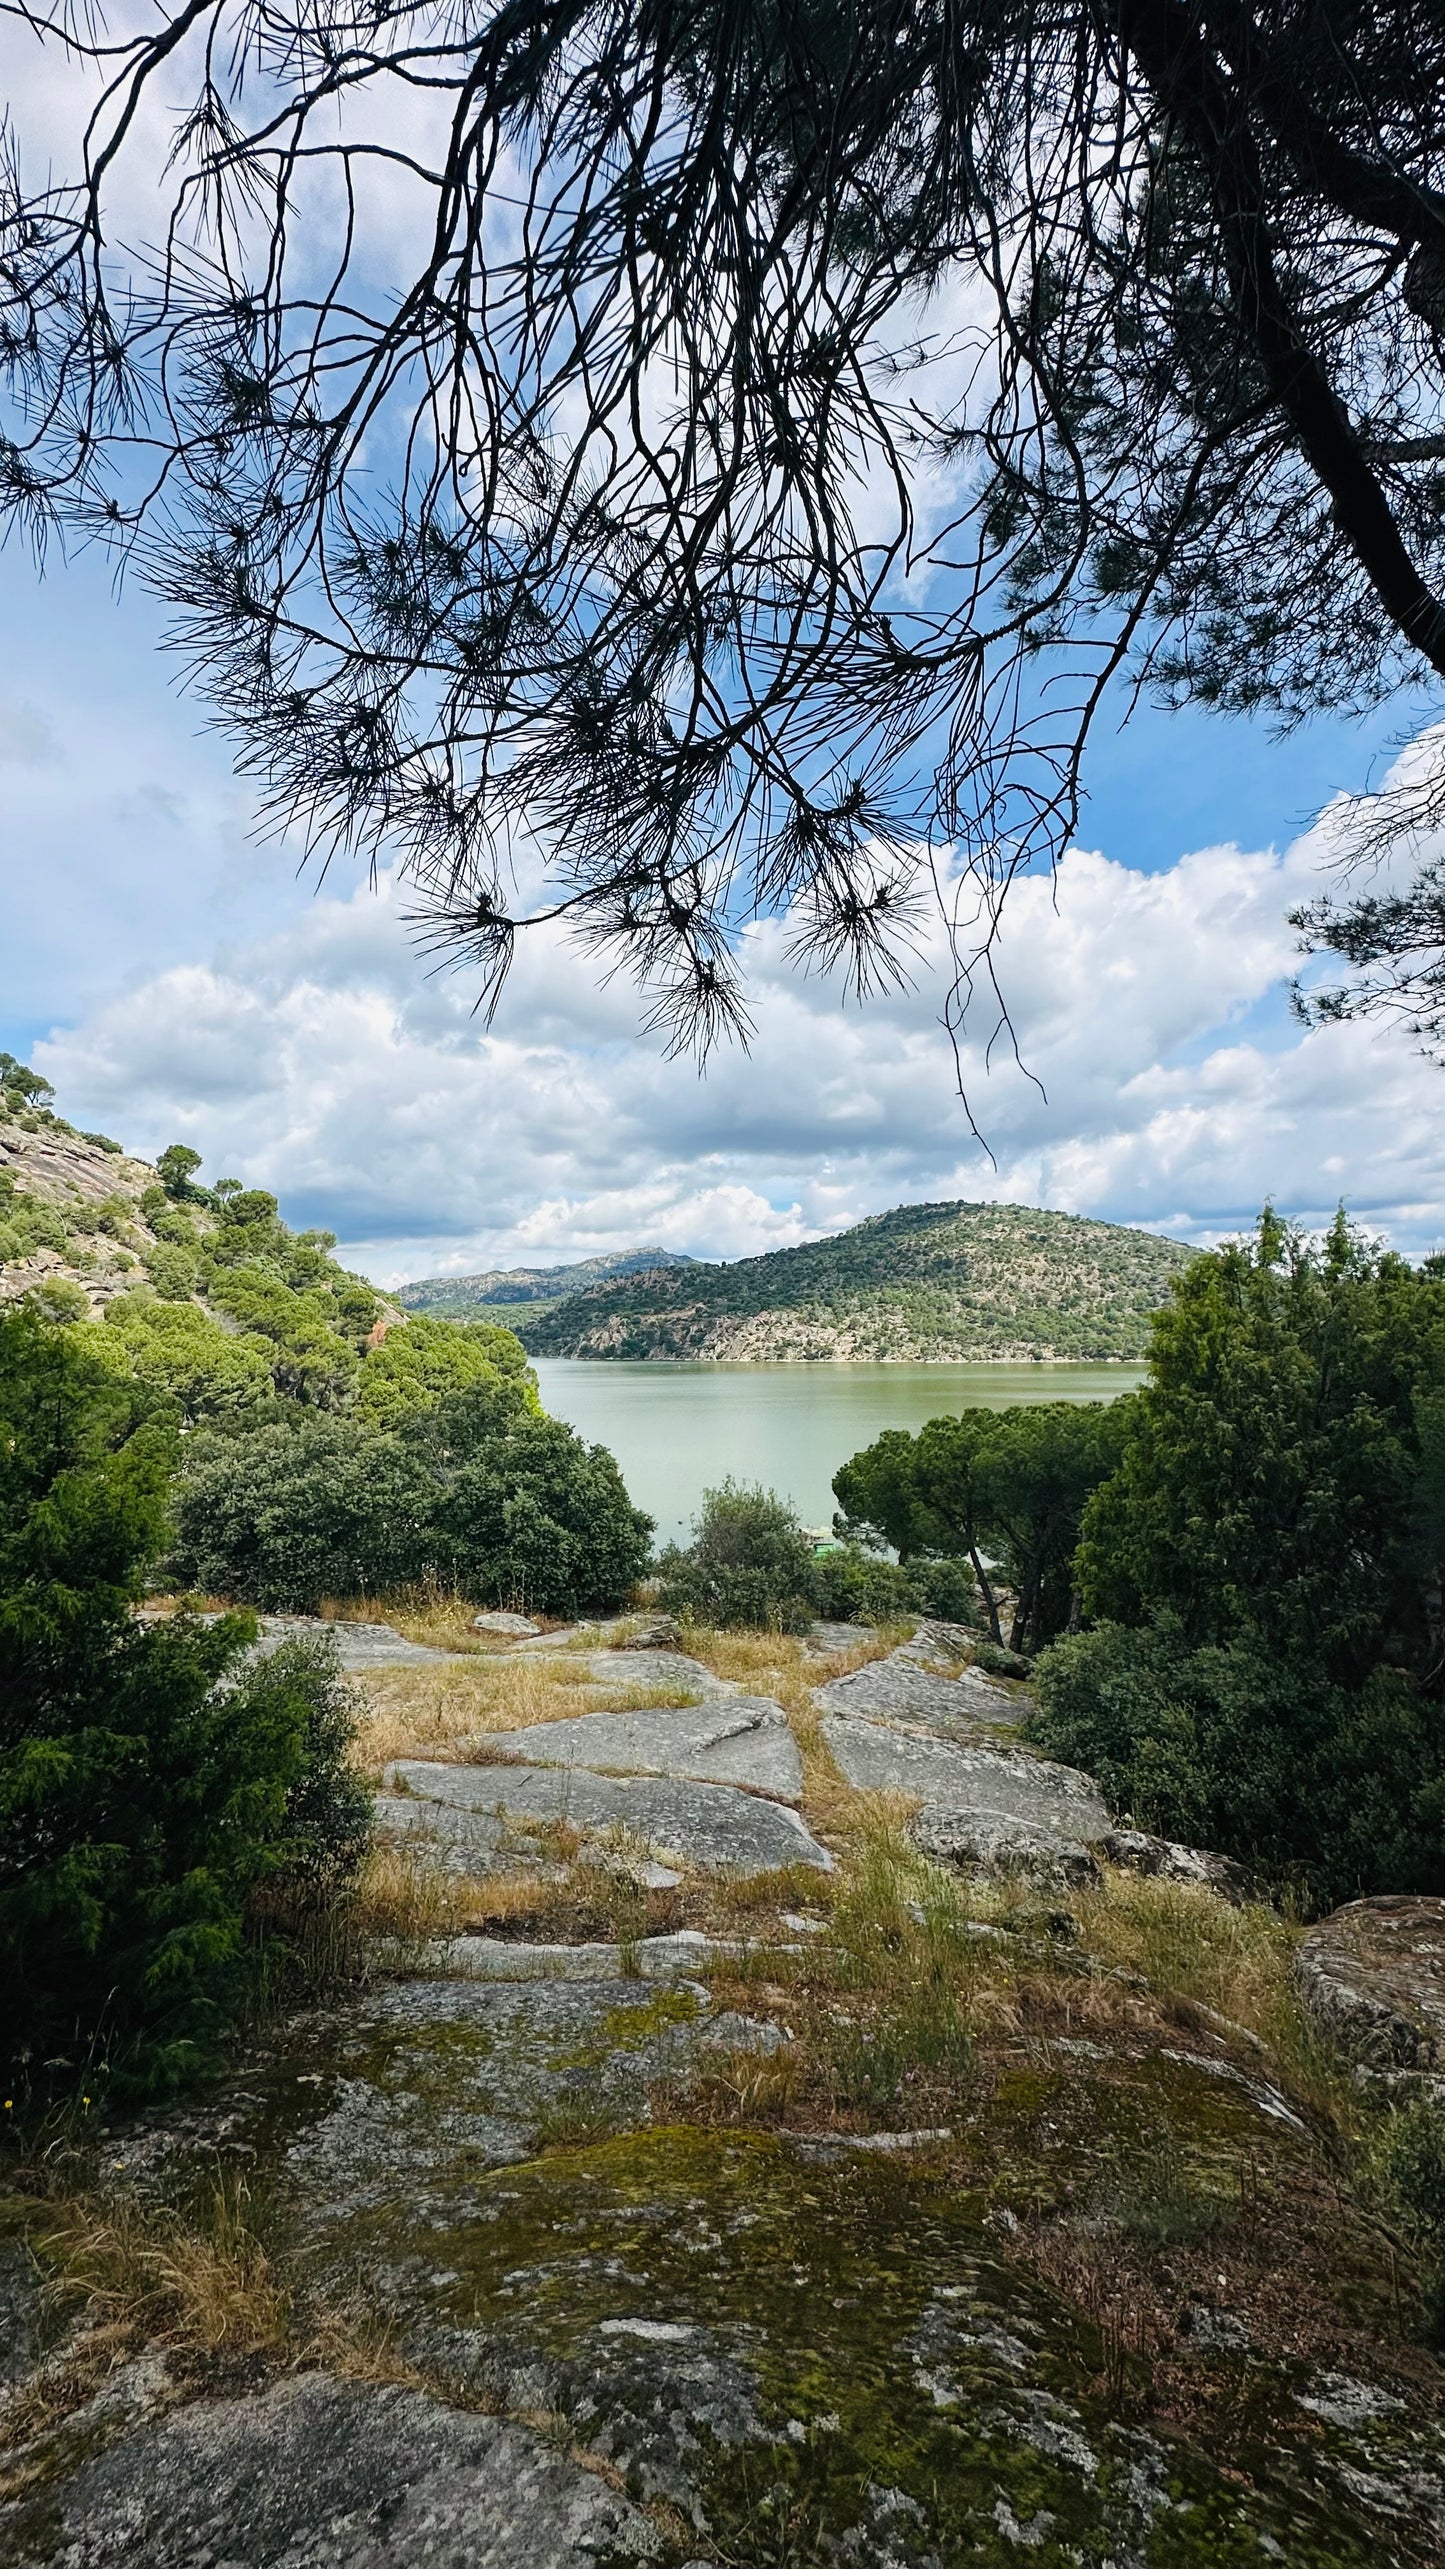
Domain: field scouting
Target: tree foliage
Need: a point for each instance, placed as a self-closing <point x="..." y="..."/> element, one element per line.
<point x="1003" y="1489"/>
<point x="1285" y="1482"/>
<point x="480" y="1492"/>
<point x="147" y="1785"/>
<point x="1268" y="1568"/>
<point x="702" y="420"/>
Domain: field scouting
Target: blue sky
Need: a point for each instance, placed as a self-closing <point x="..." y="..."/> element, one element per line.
<point x="175" y="977"/>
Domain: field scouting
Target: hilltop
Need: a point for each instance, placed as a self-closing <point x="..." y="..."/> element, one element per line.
<point x="453" y="1297"/>
<point x="926" y="1283"/>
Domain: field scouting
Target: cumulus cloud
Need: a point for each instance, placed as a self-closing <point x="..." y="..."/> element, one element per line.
<point x="1160" y="1081"/>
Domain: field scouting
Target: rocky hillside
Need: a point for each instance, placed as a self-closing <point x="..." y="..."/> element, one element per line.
<point x="532" y="1289"/>
<point x="926" y="1283"/>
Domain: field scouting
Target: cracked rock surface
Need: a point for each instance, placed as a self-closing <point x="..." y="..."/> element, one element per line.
<point x="713" y="1825"/>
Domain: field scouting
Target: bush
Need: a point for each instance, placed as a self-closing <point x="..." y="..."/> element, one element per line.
<point x="528" y="1516"/>
<point x="143" y="1798"/>
<point x="749" y="1562"/>
<point x="310" y="1507"/>
<point x="1224" y="1747"/>
<point x="326" y="1821"/>
<point x="481" y="1493"/>
<point x="856" y="1585"/>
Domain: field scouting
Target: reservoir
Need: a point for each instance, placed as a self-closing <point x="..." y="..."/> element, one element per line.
<point x="679" y="1429"/>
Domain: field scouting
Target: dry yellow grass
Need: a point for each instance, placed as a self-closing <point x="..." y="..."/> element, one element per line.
<point x="439" y="1617"/>
<point x="436" y="1710"/>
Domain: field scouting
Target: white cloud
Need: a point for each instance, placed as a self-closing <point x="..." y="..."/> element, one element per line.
<point x="1164" y="1082"/>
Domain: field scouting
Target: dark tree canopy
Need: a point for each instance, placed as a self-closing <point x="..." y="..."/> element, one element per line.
<point x="658" y="462"/>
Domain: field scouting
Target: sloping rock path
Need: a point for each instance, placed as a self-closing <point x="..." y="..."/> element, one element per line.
<point x="673" y="2342"/>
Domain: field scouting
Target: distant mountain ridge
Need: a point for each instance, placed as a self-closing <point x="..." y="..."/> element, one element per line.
<point x="926" y="1283"/>
<point x="446" y="1295"/>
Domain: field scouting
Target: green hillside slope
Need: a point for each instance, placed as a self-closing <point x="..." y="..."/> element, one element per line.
<point x="925" y="1283"/>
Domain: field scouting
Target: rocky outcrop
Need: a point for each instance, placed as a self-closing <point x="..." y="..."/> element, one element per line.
<point x="1164" y="1860"/>
<point x="715" y="1826"/>
<point x="1373" y="1976"/>
<point x="325" y="2474"/>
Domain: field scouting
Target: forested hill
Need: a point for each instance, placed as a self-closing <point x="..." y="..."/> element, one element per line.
<point x="925" y="1283"/>
<point x="457" y="1297"/>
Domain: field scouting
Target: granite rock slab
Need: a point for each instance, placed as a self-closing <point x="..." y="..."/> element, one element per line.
<point x="359" y="1646"/>
<point x="475" y="1844"/>
<point x="877" y="1758"/>
<point x="670" y="1957"/>
<point x="822" y="1639"/>
<point x="993" y="1842"/>
<point x="735" y="1739"/>
<point x="325" y="2474"/>
<point x="1373" y="1975"/>
<point x="899" y="1688"/>
<point x="712" y="1825"/>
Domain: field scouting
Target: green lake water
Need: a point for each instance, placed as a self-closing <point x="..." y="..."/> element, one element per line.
<point x="678" y="1429"/>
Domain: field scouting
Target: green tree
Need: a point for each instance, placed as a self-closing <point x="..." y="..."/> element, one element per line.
<point x="146" y="1786"/>
<point x="1268" y="1564"/>
<point x="422" y="1360"/>
<point x="176" y="1166"/>
<point x="1003" y="1489"/>
<point x="1283" y="1481"/>
<point x="529" y="1516"/>
<point x="480" y="1491"/>
<point x="312" y="1506"/>
<point x="211" y="1373"/>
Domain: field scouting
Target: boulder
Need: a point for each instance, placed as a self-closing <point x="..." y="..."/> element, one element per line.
<point x="1373" y="1976"/>
<point x="511" y="1627"/>
<point x="952" y="1643"/>
<point x="1136" y="1852"/>
<point x="980" y="1841"/>
<point x="658" y="1632"/>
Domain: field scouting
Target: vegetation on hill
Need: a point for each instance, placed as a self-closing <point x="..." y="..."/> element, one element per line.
<point x="532" y="1289"/>
<point x="925" y="1283"/>
<point x="329" y="1444"/>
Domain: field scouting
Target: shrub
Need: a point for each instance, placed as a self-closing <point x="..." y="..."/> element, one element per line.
<point x="326" y="1821"/>
<point x="856" y="1585"/>
<point x="749" y="1562"/>
<point x="142" y="1797"/>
